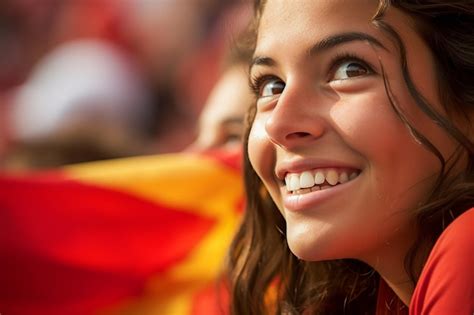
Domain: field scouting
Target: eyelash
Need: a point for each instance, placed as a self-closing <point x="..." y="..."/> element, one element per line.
<point x="341" y="58"/>
<point x="257" y="81"/>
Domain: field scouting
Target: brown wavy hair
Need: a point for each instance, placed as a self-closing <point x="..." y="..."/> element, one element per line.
<point x="265" y="277"/>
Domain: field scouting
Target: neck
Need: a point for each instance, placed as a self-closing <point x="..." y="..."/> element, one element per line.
<point x="389" y="263"/>
<point x="402" y="286"/>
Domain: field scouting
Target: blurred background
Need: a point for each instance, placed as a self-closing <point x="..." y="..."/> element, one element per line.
<point x="86" y="80"/>
<point x="90" y="80"/>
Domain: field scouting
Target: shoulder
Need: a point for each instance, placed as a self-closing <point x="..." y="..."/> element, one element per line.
<point x="446" y="284"/>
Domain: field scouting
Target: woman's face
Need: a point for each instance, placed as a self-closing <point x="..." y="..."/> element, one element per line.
<point x="339" y="163"/>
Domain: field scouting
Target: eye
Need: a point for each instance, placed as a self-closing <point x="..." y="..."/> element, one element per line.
<point x="267" y="86"/>
<point x="350" y="69"/>
<point x="272" y="87"/>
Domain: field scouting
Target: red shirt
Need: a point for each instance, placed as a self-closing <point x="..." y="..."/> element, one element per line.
<point x="446" y="284"/>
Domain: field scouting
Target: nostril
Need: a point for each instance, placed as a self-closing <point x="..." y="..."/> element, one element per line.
<point x="297" y="135"/>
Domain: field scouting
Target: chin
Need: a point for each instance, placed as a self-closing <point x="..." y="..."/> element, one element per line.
<point x="305" y="247"/>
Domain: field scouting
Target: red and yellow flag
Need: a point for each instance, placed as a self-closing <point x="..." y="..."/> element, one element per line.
<point x="144" y="235"/>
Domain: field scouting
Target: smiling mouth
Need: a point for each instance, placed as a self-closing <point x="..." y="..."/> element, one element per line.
<point x="318" y="179"/>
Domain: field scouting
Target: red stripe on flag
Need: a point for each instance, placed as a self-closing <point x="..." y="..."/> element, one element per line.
<point x="213" y="299"/>
<point x="69" y="241"/>
<point x="32" y="284"/>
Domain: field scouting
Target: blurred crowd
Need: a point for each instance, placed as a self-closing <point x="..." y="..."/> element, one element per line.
<point x="86" y="80"/>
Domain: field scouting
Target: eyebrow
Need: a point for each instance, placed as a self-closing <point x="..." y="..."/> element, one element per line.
<point x="323" y="45"/>
<point x="338" y="39"/>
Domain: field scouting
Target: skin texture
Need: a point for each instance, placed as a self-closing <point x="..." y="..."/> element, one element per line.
<point x="321" y="118"/>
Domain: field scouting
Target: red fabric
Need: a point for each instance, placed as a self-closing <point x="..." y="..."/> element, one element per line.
<point x="446" y="285"/>
<point x="71" y="248"/>
<point x="230" y="158"/>
<point x="213" y="299"/>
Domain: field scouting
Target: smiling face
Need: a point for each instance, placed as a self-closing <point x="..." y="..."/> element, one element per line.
<point x="337" y="160"/>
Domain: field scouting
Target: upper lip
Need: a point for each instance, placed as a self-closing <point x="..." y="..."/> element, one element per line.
<point x="301" y="165"/>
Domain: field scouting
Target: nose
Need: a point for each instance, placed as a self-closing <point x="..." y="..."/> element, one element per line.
<point x="296" y="119"/>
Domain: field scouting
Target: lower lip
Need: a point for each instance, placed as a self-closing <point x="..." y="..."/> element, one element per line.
<point x="301" y="202"/>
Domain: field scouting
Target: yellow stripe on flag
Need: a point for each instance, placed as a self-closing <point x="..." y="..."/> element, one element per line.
<point x="188" y="182"/>
<point x="179" y="180"/>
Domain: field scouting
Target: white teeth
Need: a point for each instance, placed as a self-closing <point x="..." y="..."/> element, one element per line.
<point x="306" y="180"/>
<point x="343" y="178"/>
<point x="332" y="177"/>
<point x="312" y="180"/>
<point x="294" y="182"/>
<point x="319" y="178"/>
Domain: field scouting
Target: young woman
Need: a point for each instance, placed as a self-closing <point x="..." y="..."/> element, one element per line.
<point x="359" y="160"/>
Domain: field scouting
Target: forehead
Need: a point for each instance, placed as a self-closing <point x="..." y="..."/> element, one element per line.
<point x="295" y="22"/>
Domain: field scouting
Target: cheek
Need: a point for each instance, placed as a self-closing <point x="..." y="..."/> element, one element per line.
<point x="260" y="150"/>
<point x="396" y="162"/>
<point x="368" y="124"/>
<point x="262" y="156"/>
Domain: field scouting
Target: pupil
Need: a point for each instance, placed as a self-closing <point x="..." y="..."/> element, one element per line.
<point x="354" y="70"/>
<point x="276" y="88"/>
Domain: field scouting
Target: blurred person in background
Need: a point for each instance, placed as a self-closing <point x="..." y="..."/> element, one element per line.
<point x="177" y="45"/>
<point x="181" y="45"/>
<point x="221" y="122"/>
<point x="31" y="32"/>
<point x="31" y="28"/>
<point x="148" y="235"/>
<point x="84" y="101"/>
